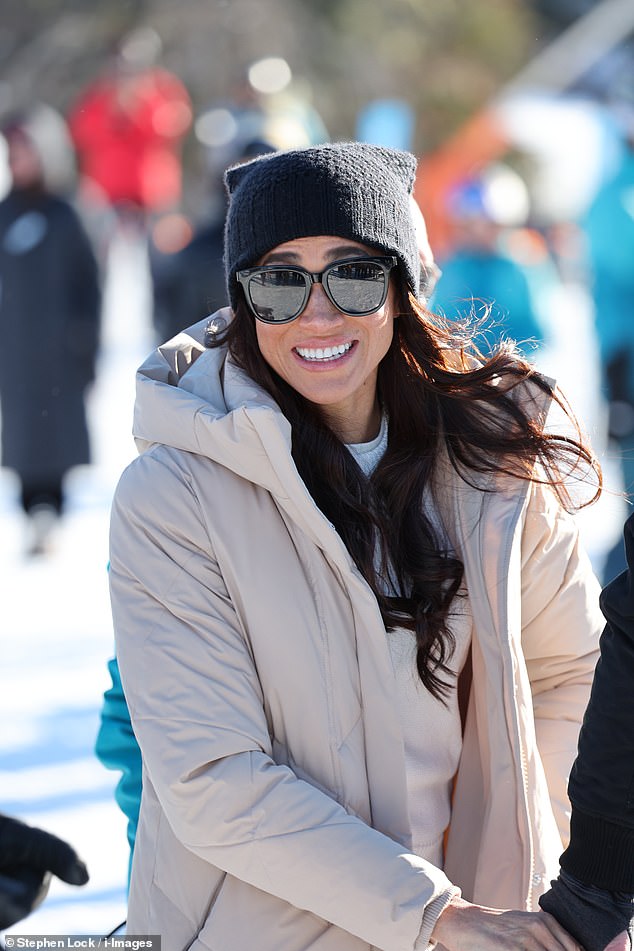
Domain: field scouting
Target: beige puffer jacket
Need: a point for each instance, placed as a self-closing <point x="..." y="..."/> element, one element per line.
<point x="260" y="687"/>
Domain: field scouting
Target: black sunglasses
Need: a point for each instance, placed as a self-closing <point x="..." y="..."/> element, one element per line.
<point x="278" y="293"/>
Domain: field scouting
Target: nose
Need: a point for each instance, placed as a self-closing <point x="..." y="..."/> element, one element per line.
<point x="319" y="309"/>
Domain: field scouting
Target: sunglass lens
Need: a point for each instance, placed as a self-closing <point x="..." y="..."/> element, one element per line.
<point x="277" y="295"/>
<point x="357" y="287"/>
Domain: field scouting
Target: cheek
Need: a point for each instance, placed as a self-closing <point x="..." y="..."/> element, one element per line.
<point x="391" y="313"/>
<point x="268" y="342"/>
<point x="262" y="336"/>
<point x="383" y="333"/>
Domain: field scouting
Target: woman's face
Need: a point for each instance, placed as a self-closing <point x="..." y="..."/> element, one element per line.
<point x="343" y="384"/>
<point x="24" y="162"/>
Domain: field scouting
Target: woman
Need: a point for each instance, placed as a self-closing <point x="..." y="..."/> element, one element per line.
<point x="355" y="630"/>
<point x="50" y="305"/>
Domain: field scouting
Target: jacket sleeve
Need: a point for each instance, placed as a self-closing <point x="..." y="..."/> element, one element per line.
<point x="561" y="625"/>
<point x="601" y="788"/>
<point x="116" y="747"/>
<point x="199" y="715"/>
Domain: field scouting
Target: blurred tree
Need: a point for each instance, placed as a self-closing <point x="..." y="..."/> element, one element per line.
<point x="446" y="58"/>
<point x="561" y="12"/>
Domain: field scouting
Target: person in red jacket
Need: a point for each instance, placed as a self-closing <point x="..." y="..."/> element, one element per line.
<point x="128" y="127"/>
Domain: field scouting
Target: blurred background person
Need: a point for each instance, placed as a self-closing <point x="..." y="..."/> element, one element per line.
<point x="609" y="230"/>
<point x="269" y="109"/>
<point x="49" y="319"/>
<point x="189" y="283"/>
<point x="128" y="127"/>
<point x="481" y="274"/>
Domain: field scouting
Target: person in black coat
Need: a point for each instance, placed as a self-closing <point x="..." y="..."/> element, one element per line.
<point x="49" y="322"/>
<point x="593" y="898"/>
<point x="190" y="283"/>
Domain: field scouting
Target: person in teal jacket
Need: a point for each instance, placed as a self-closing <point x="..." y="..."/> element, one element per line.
<point x="116" y="747"/>
<point x="480" y="278"/>
<point x="609" y="230"/>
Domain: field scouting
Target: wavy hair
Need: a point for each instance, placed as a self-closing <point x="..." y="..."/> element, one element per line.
<point x="440" y="393"/>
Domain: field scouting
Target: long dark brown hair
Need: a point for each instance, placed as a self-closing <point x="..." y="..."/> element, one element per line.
<point x="440" y="395"/>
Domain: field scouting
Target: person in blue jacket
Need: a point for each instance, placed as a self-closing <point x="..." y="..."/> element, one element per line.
<point x="479" y="277"/>
<point x="609" y="228"/>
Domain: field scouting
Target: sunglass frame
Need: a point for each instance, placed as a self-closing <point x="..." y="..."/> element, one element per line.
<point x="386" y="262"/>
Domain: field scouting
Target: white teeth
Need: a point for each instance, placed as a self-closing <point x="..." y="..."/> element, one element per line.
<point x="325" y="353"/>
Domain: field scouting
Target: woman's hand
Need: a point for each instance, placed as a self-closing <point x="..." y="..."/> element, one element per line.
<point x="622" y="942"/>
<point x="466" y="927"/>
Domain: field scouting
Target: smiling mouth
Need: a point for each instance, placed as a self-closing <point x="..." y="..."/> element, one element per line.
<point x="321" y="354"/>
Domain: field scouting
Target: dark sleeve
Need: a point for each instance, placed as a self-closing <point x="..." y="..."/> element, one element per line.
<point x="190" y="284"/>
<point x="85" y="303"/>
<point x="601" y="787"/>
<point x="28" y="857"/>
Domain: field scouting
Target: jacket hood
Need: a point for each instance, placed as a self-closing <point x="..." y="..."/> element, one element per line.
<point x="195" y="399"/>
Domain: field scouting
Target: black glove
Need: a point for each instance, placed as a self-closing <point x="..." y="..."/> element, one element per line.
<point x="593" y="916"/>
<point x="28" y="857"/>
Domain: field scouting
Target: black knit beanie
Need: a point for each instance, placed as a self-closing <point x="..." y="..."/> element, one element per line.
<point x="346" y="189"/>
